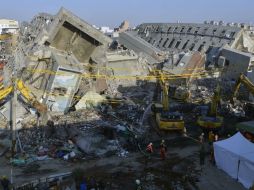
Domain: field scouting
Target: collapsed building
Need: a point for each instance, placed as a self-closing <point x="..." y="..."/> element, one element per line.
<point x="64" y="45"/>
<point x="210" y="50"/>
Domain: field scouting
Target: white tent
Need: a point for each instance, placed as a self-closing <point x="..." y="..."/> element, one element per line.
<point x="235" y="156"/>
<point x="246" y="170"/>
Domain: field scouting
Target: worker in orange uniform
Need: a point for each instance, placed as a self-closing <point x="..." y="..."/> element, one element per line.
<point x="211" y="137"/>
<point x="149" y="148"/>
<point x="163" y="149"/>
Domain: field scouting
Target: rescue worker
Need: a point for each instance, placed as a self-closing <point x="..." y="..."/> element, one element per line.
<point x="211" y="137"/>
<point x="163" y="149"/>
<point x="202" y="138"/>
<point x="149" y="148"/>
<point x="5" y="183"/>
<point x="184" y="132"/>
<point x="216" y="137"/>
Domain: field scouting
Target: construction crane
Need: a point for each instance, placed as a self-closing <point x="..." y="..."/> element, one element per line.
<point x="246" y="82"/>
<point x="27" y="95"/>
<point x="212" y="121"/>
<point x="165" y="119"/>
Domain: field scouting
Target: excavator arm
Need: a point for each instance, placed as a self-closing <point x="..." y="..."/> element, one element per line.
<point x="165" y="101"/>
<point x="215" y="101"/>
<point x="246" y="82"/>
<point x="30" y="98"/>
<point x="4" y="93"/>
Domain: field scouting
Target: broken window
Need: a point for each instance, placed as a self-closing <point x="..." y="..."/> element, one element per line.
<point x="182" y="29"/>
<point x="192" y="46"/>
<point x="177" y="44"/>
<point x="171" y="43"/>
<point x="232" y="34"/>
<point x="227" y="62"/>
<point x="169" y="29"/>
<point x="165" y="42"/>
<point x="184" y="46"/>
<point x="251" y="67"/>
<point x="196" y="31"/>
<point x="189" y="29"/>
<point x="59" y="91"/>
<point x="201" y="47"/>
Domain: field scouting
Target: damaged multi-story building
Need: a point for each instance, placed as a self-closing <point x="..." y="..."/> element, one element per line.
<point x="193" y="48"/>
<point x="64" y="57"/>
<point x="57" y="53"/>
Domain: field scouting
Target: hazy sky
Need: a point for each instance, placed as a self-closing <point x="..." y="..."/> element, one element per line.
<point x="113" y="12"/>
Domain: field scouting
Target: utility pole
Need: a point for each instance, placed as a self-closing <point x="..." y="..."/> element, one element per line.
<point x="13" y="108"/>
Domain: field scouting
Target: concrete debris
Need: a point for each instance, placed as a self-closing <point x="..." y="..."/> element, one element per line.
<point x="89" y="100"/>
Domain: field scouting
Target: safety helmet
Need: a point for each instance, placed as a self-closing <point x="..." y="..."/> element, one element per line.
<point x="137" y="181"/>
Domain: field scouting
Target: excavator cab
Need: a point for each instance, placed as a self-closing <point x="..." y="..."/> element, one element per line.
<point x="212" y="121"/>
<point x="166" y="119"/>
<point x="172" y="121"/>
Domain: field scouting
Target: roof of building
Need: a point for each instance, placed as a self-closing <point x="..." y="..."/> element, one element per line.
<point x="66" y="16"/>
<point x="12" y="23"/>
<point x="190" y="63"/>
<point x="187" y="36"/>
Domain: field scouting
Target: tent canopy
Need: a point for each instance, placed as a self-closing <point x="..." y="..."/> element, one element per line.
<point x="236" y="144"/>
<point x="235" y="156"/>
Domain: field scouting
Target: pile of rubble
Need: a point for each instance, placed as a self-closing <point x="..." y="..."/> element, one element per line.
<point x="81" y="134"/>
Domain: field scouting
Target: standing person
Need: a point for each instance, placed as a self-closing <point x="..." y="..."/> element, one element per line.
<point x="83" y="185"/>
<point x="211" y="137"/>
<point x="5" y="183"/>
<point x="202" y="156"/>
<point x="202" y="138"/>
<point x="216" y="137"/>
<point x="163" y="149"/>
<point x="149" y="148"/>
<point x="138" y="185"/>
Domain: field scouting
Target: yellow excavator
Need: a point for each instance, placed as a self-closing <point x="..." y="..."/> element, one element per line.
<point x="246" y="82"/>
<point x="212" y="121"/>
<point x="4" y="93"/>
<point x="29" y="98"/>
<point x="165" y="119"/>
